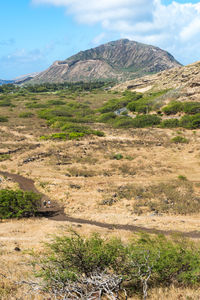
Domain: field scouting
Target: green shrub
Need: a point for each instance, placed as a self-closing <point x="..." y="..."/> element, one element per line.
<point x="117" y="156"/>
<point x="190" y="122"/>
<point x="3" y="119"/>
<point x="171" y="123"/>
<point x="191" y="108"/>
<point x="56" y="102"/>
<point x="107" y="117"/>
<point x="146" y="121"/>
<point x="182" y="177"/>
<point x="35" y="105"/>
<point x="123" y="122"/>
<point x="4" y="157"/>
<point x="179" y="140"/>
<point x="114" y="104"/>
<point x="26" y="115"/>
<point x="18" y="204"/>
<point x="70" y="262"/>
<point x="55" y="136"/>
<point x="173" y="108"/>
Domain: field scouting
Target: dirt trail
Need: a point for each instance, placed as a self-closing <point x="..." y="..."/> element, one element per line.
<point x="57" y="213"/>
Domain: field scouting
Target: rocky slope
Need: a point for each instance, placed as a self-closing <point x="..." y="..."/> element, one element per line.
<point x="184" y="81"/>
<point x="120" y="60"/>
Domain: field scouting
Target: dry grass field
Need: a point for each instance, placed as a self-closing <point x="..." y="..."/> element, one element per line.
<point x="128" y="177"/>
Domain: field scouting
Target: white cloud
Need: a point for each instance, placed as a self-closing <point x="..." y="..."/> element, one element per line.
<point x="175" y="27"/>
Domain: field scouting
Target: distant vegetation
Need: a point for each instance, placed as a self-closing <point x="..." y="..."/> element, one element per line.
<point x="125" y="110"/>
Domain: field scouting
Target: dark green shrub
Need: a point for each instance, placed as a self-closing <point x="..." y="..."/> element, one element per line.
<point x="3" y="119"/>
<point x="35" y="105"/>
<point x="190" y="122"/>
<point x="146" y="121"/>
<point x="4" y="157"/>
<point x="191" y="108"/>
<point x="123" y="122"/>
<point x="173" y="108"/>
<point x="107" y="117"/>
<point x="5" y="103"/>
<point x="26" y="115"/>
<point x="132" y="96"/>
<point x="114" y="104"/>
<point x="18" y="204"/>
<point x="56" y="102"/>
<point x="179" y="140"/>
<point x="171" y="123"/>
<point x="117" y="156"/>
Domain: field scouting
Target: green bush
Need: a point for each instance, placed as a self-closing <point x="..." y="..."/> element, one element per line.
<point x="107" y="117"/>
<point x="191" y="108"/>
<point x="171" y="123"/>
<point x="56" y="102"/>
<point x="146" y="121"/>
<point x="156" y="260"/>
<point x="179" y="140"/>
<point x="3" y="119"/>
<point x="4" y="157"/>
<point x="18" y="204"/>
<point x="123" y="122"/>
<point x="190" y="122"/>
<point x="117" y="156"/>
<point x="26" y="115"/>
<point x="114" y="104"/>
<point x="173" y="108"/>
<point x="35" y="105"/>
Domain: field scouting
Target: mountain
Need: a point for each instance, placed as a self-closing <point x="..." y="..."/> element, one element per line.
<point x="20" y="79"/>
<point x="120" y="60"/>
<point x="6" y="81"/>
<point x="184" y="81"/>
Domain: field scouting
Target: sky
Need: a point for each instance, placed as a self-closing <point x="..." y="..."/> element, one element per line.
<point x="35" y="33"/>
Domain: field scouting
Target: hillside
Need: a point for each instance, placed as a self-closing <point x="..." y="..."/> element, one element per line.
<point x="184" y="80"/>
<point x="119" y="60"/>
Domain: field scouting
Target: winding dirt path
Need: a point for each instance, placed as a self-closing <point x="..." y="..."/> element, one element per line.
<point x="57" y="213"/>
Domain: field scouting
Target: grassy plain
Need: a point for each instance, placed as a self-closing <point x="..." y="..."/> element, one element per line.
<point x="134" y="176"/>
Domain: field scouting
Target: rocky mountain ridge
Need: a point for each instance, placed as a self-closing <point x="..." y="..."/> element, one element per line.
<point x="119" y="60"/>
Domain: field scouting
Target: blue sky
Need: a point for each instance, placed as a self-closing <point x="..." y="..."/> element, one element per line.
<point x="35" y="33"/>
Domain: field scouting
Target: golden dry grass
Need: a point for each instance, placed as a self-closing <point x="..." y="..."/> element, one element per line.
<point x="83" y="175"/>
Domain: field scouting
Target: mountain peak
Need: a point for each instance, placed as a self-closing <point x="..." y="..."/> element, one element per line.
<point x="116" y="60"/>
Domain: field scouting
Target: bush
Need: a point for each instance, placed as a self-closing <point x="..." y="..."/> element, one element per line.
<point x="56" y="102"/>
<point x="72" y="264"/>
<point x="191" y="108"/>
<point x="18" y="204"/>
<point x="117" y="156"/>
<point x="190" y="122"/>
<point x="146" y="121"/>
<point x="179" y="140"/>
<point x="173" y="108"/>
<point x="26" y="115"/>
<point x="114" y="104"/>
<point x="123" y="122"/>
<point x="171" y="123"/>
<point x="3" y="119"/>
<point x="4" y="157"/>
<point x="107" y="117"/>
